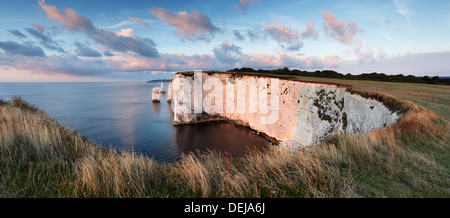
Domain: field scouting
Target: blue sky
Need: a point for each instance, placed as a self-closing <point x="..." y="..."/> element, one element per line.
<point x="142" y="40"/>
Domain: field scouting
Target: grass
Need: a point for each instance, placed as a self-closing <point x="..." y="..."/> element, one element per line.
<point x="41" y="158"/>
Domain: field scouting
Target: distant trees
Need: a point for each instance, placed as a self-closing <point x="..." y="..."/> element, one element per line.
<point x="365" y="76"/>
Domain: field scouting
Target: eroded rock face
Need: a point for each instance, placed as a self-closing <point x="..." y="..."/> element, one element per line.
<point x="292" y="112"/>
<point x="325" y="110"/>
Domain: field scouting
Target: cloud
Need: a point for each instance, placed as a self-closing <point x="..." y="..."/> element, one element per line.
<point x="126" y="33"/>
<point x="78" y="23"/>
<point x="45" y="40"/>
<point x="227" y="56"/>
<point x="69" y="65"/>
<point x="244" y="4"/>
<point x="254" y="34"/>
<point x="108" y="53"/>
<point x="345" y="32"/>
<point x="251" y="34"/>
<point x="340" y="30"/>
<point x="401" y="7"/>
<point x="238" y="36"/>
<point x="332" y="61"/>
<point x="310" y="32"/>
<point x="192" y="27"/>
<point x="295" y="46"/>
<point x="17" y="33"/>
<point x="38" y="35"/>
<point x="280" y="32"/>
<point x="120" y="24"/>
<point x="285" y="37"/>
<point x="363" y="51"/>
<point x="142" y="46"/>
<point x="410" y="64"/>
<point x="55" y="30"/>
<point x="70" y="19"/>
<point x="85" y="51"/>
<point x="167" y="62"/>
<point x="39" y="27"/>
<point x="138" y="21"/>
<point x="226" y="53"/>
<point x="14" y="48"/>
<point x="282" y="59"/>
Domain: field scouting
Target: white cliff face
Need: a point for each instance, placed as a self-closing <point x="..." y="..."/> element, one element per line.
<point x="325" y="110"/>
<point x="170" y="93"/>
<point x="292" y="112"/>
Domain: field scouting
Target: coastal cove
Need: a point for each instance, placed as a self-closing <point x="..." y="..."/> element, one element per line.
<point x="43" y="158"/>
<point x="122" y="116"/>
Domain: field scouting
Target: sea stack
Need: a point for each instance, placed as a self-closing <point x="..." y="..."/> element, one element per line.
<point x="163" y="90"/>
<point x="156" y="95"/>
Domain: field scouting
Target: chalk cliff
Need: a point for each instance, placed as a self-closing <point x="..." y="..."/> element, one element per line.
<point x="294" y="113"/>
<point x="156" y="95"/>
<point x="162" y="89"/>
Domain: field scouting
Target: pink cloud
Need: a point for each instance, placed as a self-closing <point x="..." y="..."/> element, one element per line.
<point x="192" y="27"/>
<point x="70" y="20"/>
<point x="126" y="33"/>
<point x="167" y="62"/>
<point x="74" y="22"/>
<point x="31" y="75"/>
<point x="244" y="4"/>
<point x="306" y="62"/>
<point x="363" y="50"/>
<point x="138" y="21"/>
<point x="280" y="32"/>
<point x="286" y="37"/>
<point x="345" y="32"/>
<point x="340" y="30"/>
<point x="310" y="32"/>
<point x="332" y="61"/>
<point x="229" y="57"/>
<point x="63" y="65"/>
<point x="282" y="59"/>
<point x="39" y="27"/>
<point x="126" y="62"/>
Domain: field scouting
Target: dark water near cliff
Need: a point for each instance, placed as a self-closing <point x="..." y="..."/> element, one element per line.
<point x="122" y="115"/>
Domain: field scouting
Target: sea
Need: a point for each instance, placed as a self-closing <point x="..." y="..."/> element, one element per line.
<point x="122" y="116"/>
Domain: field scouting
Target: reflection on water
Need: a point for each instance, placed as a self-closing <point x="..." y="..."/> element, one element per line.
<point x="170" y="111"/>
<point x="156" y="107"/>
<point x="222" y="136"/>
<point x="123" y="116"/>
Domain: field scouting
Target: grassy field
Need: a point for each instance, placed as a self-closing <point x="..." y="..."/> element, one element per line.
<point x="41" y="158"/>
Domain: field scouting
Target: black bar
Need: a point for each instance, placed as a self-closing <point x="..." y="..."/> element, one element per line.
<point x="224" y="207"/>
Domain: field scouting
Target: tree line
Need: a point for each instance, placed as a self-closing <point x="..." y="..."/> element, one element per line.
<point x="365" y="76"/>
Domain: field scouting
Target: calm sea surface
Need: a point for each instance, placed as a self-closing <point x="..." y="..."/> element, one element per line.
<point x="122" y="116"/>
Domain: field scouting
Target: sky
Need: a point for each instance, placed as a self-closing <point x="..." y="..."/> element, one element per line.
<point x="111" y="40"/>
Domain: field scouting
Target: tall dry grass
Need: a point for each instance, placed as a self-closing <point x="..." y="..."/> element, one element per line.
<point x="41" y="158"/>
<point x="36" y="152"/>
